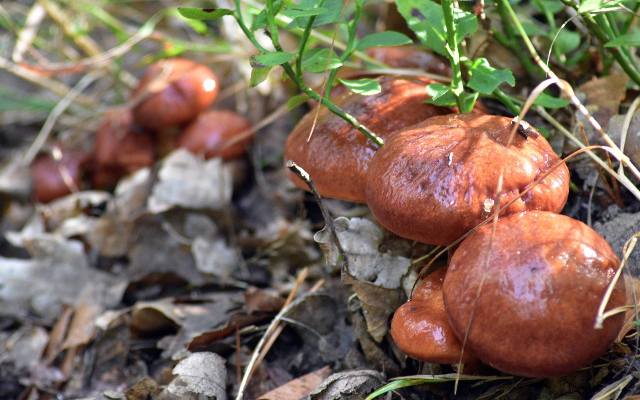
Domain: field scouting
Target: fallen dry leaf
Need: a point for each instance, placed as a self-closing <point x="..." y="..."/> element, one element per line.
<point x="299" y="387"/>
<point x="200" y="375"/>
<point x="348" y="385"/>
<point x="187" y="181"/>
<point x="361" y="239"/>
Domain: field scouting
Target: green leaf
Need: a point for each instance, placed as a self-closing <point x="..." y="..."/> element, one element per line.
<point x="365" y="86"/>
<point x="629" y="39"/>
<point x="258" y="75"/>
<point x="548" y="101"/>
<point x="333" y="14"/>
<point x="533" y="28"/>
<point x="320" y="60"/>
<point x="567" y="41"/>
<point x="550" y="6"/>
<point x="407" y="381"/>
<point x="441" y="95"/>
<point x="297" y="12"/>
<point x="592" y="6"/>
<point x="485" y="79"/>
<point x="204" y="14"/>
<point x="589" y="5"/>
<point x="426" y="20"/>
<point x="271" y="59"/>
<point x="296" y="101"/>
<point x="468" y="101"/>
<point x="259" y="21"/>
<point x="389" y="38"/>
<point x="465" y="23"/>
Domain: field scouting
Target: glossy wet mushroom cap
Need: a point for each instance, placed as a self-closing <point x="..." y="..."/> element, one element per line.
<point x="533" y="289"/>
<point x="420" y="327"/>
<point x="173" y="92"/>
<point x="120" y="148"/>
<point x="435" y="181"/>
<point x="53" y="178"/>
<point x="336" y="155"/>
<point x="216" y="134"/>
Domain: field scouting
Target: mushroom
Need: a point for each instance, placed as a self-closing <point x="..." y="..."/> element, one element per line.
<point x="420" y="327"/>
<point x="215" y="134"/>
<point x="335" y="154"/>
<point x="120" y="148"/>
<point x="528" y="294"/>
<point x="53" y="178"/>
<point x="173" y="92"/>
<point x="436" y="180"/>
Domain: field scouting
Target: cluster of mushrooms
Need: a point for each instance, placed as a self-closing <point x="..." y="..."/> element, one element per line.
<point x="522" y="294"/>
<point x="168" y="110"/>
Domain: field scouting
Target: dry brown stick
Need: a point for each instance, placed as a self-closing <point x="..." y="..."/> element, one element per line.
<point x="270" y="329"/>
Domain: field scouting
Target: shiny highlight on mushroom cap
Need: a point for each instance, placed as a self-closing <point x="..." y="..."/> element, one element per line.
<point x="336" y="155"/>
<point x="533" y="289"/>
<point x="420" y="327"/>
<point x="174" y="91"/>
<point x="436" y="180"/>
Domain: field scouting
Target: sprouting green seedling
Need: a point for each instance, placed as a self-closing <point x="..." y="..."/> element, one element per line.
<point x="442" y="28"/>
<point x="303" y="17"/>
<point x="416" y="380"/>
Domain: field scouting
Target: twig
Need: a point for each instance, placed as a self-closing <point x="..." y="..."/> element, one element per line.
<point x="53" y="116"/>
<point x="105" y="57"/>
<point x="270" y="331"/>
<point x="568" y="90"/>
<point x="602" y="315"/>
<point x="54" y="86"/>
<point x="28" y="32"/>
<point x="625" y="127"/>
<point x="85" y="42"/>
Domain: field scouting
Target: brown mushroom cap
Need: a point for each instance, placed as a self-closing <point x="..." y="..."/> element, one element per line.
<point x="534" y="297"/>
<point x="212" y="132"/>
<point x="420" y="327"/>
<point x="176" y="91"/>
<point x="121" y="144"/>
<point x="53" y="179"/>
<point x="410" y="56"/>
<point x="336" y="155"/>
<point x="436" y="180"/>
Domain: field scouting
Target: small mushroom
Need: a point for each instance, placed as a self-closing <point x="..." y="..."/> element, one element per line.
<point x="335" y="154"/>
<point x="420" y="327"/>
<point x="173" y="92"/>
<point x="120" y="148"/>
<point x="528" y="294"/>
<point x="54" y="178"/>
<point x="215" y="134"/>
<point x="436" y="180"/>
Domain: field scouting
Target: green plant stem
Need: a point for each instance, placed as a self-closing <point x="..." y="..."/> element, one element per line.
<point x="510" y="41"/>
<point x="350" y="49"/>
<point x="297" y="80"/>
<point x="284" y="22"/>
<point x="597" y="26"/>
<point x="303" y="41"/>
<point x="453" y="52"/>
<point x="508" y="101"/>
<point x="632" y="17"/>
